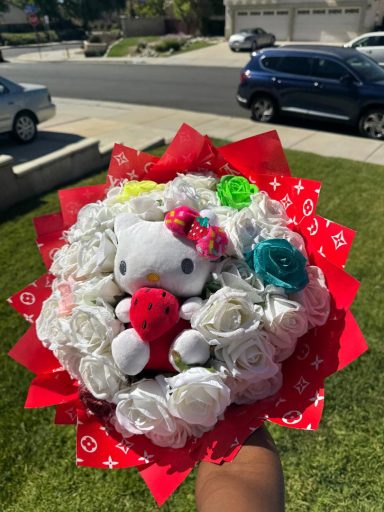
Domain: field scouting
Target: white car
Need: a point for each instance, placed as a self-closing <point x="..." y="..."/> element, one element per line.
<point x="372" y="44"/>
<point x="22" y="108"/>
<point x="251" y="39"/>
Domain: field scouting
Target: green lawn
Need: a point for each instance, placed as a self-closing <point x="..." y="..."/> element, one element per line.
<point x="339" y="468"/>
<point x="126" y="46"/>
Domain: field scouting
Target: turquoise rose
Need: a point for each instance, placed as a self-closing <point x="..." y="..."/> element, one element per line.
<point x="279" y="263"/>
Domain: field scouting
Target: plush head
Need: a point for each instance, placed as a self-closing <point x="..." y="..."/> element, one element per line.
<point x="149" y="254"/>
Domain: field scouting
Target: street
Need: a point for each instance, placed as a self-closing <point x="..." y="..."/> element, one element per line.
<point x="189" y="88"/>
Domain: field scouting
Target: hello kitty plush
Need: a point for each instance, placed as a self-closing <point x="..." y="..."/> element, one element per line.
<point x="158" y="263"/>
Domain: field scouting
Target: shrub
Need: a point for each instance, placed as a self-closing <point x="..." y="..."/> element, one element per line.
<point x="168" y="44"/>
<point x="95" y="38"/>
<point x="29" y="38"/>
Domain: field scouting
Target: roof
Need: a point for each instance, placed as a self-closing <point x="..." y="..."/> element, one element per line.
<point x="338" y="51"/>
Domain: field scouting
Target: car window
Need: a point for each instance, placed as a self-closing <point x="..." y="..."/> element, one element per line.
<point x="380" y="41"/>
<point x="3" y="89"/>
<point x="271" y="63"/>
<point x="326" y="68"/>
<point x="365" y="68"/>
<point x="295" y="65"/>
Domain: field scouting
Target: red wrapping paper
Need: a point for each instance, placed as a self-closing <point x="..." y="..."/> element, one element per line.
<point x="321" y="352"/>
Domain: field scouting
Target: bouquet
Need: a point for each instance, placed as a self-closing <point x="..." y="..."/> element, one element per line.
<point x="188" y="300"/>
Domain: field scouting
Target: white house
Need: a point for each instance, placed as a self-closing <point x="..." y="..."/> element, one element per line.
<point x="305" y="20"/>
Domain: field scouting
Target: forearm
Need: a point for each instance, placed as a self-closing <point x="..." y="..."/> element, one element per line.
<point x="253" y="482"/>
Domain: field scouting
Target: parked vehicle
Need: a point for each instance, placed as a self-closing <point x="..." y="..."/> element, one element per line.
<point x="372" y="44"/>
<point x="22" y="108"/>
<point x="251" y="39"/>
<point x="320" y="82"/>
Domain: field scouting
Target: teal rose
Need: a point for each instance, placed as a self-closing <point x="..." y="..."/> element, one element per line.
<point x="279" y="263"/>
<point x="235" y="191"/>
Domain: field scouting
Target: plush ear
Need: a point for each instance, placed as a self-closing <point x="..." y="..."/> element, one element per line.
<point x="124" y="221"/>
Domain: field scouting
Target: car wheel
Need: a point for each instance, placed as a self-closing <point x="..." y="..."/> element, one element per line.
<point x="263" y="109"/>
<point x="371" y="124"/>
<point x="24" y="128"/>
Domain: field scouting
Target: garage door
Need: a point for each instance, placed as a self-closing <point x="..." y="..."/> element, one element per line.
<point x="328" y="25"/>
<point x="274" y="21"/>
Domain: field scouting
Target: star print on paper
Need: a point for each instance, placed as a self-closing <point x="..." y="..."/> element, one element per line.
<point x="146" y="457"/>
<point x="275" y="184"/>
<point x="124" y="446"/>
<point x="132" y="175"/>
<point x="286" y="201"/>
<point x="301" y="385"/>
<point x="299" y="187"/>
<point x="28" y="318"/>
<point x="339" y="240"/>
<point x="110" y="463"/>
<point x="316" y="399"/>
<point x="317" y="362"/>
<point x="121" y="159"/>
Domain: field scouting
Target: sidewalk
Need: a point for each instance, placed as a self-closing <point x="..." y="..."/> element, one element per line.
<point x="139" y="125"/>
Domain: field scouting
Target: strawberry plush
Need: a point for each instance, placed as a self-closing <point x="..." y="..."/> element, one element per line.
<point x="158" y="267"/>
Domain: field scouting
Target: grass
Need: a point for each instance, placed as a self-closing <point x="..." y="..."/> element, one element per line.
<point x="125" y="47"/>
<point x="336" y="469"/>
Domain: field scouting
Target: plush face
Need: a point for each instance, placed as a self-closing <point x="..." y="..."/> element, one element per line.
<point x="149" y="254"/>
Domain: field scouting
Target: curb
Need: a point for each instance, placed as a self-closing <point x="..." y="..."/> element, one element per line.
<point x="78" y="160"/>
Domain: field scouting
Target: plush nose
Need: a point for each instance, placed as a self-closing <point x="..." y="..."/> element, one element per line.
<point x="152" y="277"/>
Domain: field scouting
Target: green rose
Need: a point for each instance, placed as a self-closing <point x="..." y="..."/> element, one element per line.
<point x="235" y="191"/>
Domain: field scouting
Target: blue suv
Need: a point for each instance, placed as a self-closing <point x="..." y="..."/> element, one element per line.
<point x="320" y="82"/>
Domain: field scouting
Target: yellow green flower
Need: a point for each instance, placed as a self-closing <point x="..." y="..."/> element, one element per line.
<point x="135" y="188"/>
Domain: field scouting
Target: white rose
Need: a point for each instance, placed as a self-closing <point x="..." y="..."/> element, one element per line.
<point x="242" y="229"/>
<point x="198" y="396"/>
<point x="143" y="409"/>
<point x="179" y="192"/>
<point x="248" y="359"/>
<point x="96" y="290"/>
<point x="286" y="320"/>
<point x="48" y="326"/>
<point x="267" y="211"/>
<point x="200" y="181"/>
<point x="65" y="260"/>
<point x="315" y="297"/>
<point x="101" y="376"/>
<point x="147" y="206"/>
<point x="219" y="215"/>
<point x="237" y="274"/>
<point x="94" y="218"/>
<point x="97" y="255"/>
<point x="91" y="329"/>
<point x="285" y="233"/>
<point x="228" y="315"/>
<point x="248" y="392"/>
<point x="70" y="359"/>
<point x="206" y="199"/>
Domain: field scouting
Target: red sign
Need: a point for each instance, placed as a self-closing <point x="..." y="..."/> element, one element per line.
<point x="33" y="19"/>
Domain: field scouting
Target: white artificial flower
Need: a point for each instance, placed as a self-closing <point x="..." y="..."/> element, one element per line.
<point x="201" y="181"/>
<point x="315" y="297"/>
<point x="65" y="260"/>
<point x="267" y="211"/>
<point x="237" y="274"/>
<point x="250" y="391"/>
<point x="198" y="396"/>
<point x="147" y="206"/>
<point x="220" y="215"/>
<point x="143" y="409"/>
<point x="285" y="320"/>
<point x="70" y="359"/>
<point x="94" y="218"/>
<point x="242" y="229"/>
<point x="180" y="192"/>
<point x="96" y="290"/>
<point x="228" y="315"/>
<point x="97" y="255"/>
<point x="48" y="324"/>
<point x="91" y="329"/>
<point x="249" y="359"/>
<point x="285" y="233"/>
<point x="101" y="376"/>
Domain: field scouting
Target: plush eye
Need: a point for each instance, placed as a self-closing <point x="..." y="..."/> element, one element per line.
<point x="123" y="267"/>
<point x="187" y="266"/>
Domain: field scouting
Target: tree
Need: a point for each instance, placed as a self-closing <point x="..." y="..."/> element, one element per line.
<point x="192" y="12"/>
<point x="3" y="6"/>
<point x="90" y="10"/>
<point x="149" y="8"/>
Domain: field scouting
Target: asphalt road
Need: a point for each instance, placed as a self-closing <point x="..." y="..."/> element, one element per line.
<point x="200" y="89"/>
<point x="189" y="88"/>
